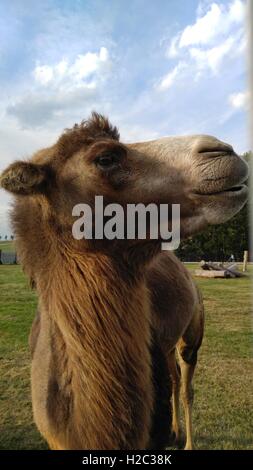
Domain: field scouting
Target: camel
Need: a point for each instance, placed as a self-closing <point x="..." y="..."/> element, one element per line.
<point x="112" y="312"/>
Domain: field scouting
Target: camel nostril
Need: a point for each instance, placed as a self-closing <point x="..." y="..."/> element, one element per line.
<point x="217" y="150"/>
<point x="211" y="147"/>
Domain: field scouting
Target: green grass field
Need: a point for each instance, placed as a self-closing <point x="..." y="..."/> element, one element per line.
<point x="7" y="245"/>
<point x="223" y="410"/>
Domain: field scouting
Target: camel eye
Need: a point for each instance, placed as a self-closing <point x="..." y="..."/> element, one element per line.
<point x="107" y="161"/>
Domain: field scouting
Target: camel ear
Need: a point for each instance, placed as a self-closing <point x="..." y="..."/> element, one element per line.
<point x="24" y="178"/>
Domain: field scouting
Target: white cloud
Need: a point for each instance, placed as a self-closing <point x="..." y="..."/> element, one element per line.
<point x="65" y="86"/>
<point x="61" y="67"/>
<point x="218" y="35"/>
<point x="214" y="56"/>
<point x="203" y="30"/>
<point x="202" y="7"/>
<point x="37" y="109"/>
<point x="173" y="48"/>
<point x="209" y="28"/>
<point x="237" y="11"/>
<point x="43" y="74"/>
<point x="168" y="80"/>
<point x="238" y="100"/>
<point x="66" y="74"/>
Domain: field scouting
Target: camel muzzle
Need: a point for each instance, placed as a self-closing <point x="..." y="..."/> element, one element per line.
<point x="221" y="173"/>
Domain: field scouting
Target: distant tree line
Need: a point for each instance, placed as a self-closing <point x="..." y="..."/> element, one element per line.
<point x="11" y="237"/>
<point x="219" y="242"/>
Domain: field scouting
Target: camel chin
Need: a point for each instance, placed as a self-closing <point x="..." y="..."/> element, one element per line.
<point x="221" y="207"/>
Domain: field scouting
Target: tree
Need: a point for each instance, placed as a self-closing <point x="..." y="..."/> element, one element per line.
<point x="218" y="242"/>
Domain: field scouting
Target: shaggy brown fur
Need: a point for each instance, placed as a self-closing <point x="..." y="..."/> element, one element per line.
<point x="98" y="373"/>
<point x="92" y="380"/>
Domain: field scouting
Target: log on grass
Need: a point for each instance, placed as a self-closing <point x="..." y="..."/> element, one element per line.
<point x="213" y="274"/>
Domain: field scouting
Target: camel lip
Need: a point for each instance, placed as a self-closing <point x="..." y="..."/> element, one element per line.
<point x="233" y="191"/>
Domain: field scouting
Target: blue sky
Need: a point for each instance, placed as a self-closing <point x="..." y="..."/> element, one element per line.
<point x="156" y="68"/>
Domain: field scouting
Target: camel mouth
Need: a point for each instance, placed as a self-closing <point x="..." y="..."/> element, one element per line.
<point x="235" y="189"/>
<point x="232" y="191"/>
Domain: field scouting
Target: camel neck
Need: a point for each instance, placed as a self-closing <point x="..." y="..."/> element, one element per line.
<point x="103" y="320"/>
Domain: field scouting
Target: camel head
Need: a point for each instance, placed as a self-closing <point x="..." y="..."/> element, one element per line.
<point x="199" y="172"/>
